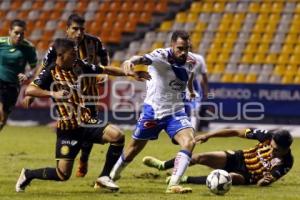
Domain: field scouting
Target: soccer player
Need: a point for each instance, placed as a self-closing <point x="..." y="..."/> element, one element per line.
<point x="163" y="107"/>
<point x="15" y="53"/>
<point x="263" y="164"/>
<point x="90" y="49"/>
<point x="60" y="82"/>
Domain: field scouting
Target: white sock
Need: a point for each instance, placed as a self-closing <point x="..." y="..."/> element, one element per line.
<point x="118" y="168"/>
<point x="194" y="121"/>
<point x="181" y="162"/>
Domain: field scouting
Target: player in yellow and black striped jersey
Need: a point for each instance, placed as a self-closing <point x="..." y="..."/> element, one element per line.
<point x="263" y="164"/>
<point x="88" y="48"/>
<point x="60" y="82"/>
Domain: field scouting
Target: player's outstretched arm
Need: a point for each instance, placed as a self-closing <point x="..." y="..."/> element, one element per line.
<point x="35" y="91"/>
<point x="129" y="64"/>
<point x="220" y="133"/>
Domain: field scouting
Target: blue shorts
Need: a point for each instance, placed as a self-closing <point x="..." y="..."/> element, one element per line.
<point x="148" y="128"/>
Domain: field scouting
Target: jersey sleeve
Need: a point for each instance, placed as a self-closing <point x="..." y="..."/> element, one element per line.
<point x="43" y="80"/>
<point x="282" y="169"/>
<point x="201" y="67"/>
<point x="102" y="53"/>
<point x="87" y="68"/>
<point x="49" y="58"/>
<point x="157" y="56"/>
<point x="258" y="134"/>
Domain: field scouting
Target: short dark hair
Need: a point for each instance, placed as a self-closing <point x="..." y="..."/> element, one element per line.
<point x="17" y="22"/>
<point x="61" y="45"/>
<point x="75" y="18"/>
<point x="180" y="34"/>
<point x="282" y="138"/>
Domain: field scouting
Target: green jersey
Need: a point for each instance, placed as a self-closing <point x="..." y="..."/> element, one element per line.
<point x="13" y="59"/>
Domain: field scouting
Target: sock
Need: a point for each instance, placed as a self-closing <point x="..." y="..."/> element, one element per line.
<point x="196" y="179"/>
<point x="44" y="174"/>
<point x="169" y="164"/>
<point x="112" y="156"/>
<point x="181" y="163"/>
<point x="86" y="149"/>
<point x="118" y="168"/>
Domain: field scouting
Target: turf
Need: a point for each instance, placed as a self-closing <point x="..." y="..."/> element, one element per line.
<point x="33" y="147"/>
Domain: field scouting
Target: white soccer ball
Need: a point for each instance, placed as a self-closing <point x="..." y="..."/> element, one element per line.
<point x="219" y="181"/>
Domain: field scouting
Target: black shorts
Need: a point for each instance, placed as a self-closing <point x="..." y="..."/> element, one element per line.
<point x="69" y="142"/>
<point x="9" y="93"/>
<point x="235" y="163"/>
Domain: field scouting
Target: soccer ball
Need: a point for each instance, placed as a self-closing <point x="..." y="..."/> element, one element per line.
<point x="219" y="181"/>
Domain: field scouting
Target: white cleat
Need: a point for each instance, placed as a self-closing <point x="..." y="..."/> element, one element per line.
<point x="106" y="182"/>
<point x="22" y="182"/>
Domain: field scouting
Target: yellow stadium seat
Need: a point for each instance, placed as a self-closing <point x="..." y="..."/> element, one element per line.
<point x="294" y="29"/>
<point x="251" y="78"/>
<point x="239" y="17"/>
<point x="291" y="69"/>
<point x="259" y="28"/>
<point x="295" y="59"/>
<point x="283" y="59"/>
<point x="166" y="26"/>
<point x="238" y="78"/>
<point x="279" y="70"/>
<point x="215" y="47"/>
<point x="192" y="17"/>
<point x="277" y="7"/>
<point x="235" y="27"/>
<point x="207" y="7"/>
<point x="255" y="38"/>
<point x="267" y="37"/>
<point x="259" y="58"/>
<point x="227" y="46"/>
<point x="297" y="49"/>
<point x="263" y="18"/>
<point x="218" y="7"/>
<point x="254" y="7"/>
<point x="296" y="80"/>
<point x="211" y="57"/>
<point x="271" y="28"/>
<point x="223" y="58"/>
<point x="263" y="48"/>
<point x="227" y="17"/>
<point x="180" y="17"/>
<point x="265" y="7"/>
<point x="224" y="27"/>
<point x="196" y="7"/>
<point x="287" y="79"/>
<point x="200" y="27"/>
<point x="157" y="45"/>
<point x="251" y="48"/>
<point x="227" y="78"/>
<point x="287" y="48"/>
<point x="196" y="37"/>
<point x="247" y="58"/>
<point x="291" y="38"/>
<point x="274" y="17"/>
<point x="219" y="68"/>
<point x="271" y="59"/>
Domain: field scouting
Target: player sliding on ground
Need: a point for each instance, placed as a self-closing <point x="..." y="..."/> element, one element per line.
<point x="263" y="164"/>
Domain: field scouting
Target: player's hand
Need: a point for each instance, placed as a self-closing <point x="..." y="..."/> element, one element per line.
<point x="127" y="66"/>
<point x="140" y="75"/>
<point x="201" y="138"/>
<point x="22" y="78"/>
<point x="62" y="94"/>
<point x="27" y="101"/>
<point x="266" y="180"/>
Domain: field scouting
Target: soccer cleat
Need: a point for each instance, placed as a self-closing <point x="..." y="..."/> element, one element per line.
<point x="82" y="169"/>
<point x="177" y="189"/>
<point x="106" y="182"/>
<point x="183" y="179"/>
<point x="153" y="162"/>
<point x="22" y="182"/>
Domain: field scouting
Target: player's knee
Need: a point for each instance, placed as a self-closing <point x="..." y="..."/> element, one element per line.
<point x="118" y="138"/>
<point x="63" y="175"/>
<point x="189" y="143"/>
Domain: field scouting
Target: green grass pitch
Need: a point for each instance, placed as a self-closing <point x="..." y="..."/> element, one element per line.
<point x="33" y="147"/>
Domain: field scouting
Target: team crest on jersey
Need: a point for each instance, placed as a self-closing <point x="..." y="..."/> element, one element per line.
<point x="64" y="150"/>
<point x="150" y="124"/>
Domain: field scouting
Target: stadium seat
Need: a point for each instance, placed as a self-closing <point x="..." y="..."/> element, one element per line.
<point x="180" y="17"/>
<point x="196" y="7"/>
<point x="287" y="79"/>
<point x="279" y="70"/>
<point x="166" y="26"/>
<point x="138" y="6"/>
<point x="238" y="78"/>
<point x="227" y="78"/>
<point x="275" y="79"/>
<point x="254" y="7"/>
<point x="263" y="78"/>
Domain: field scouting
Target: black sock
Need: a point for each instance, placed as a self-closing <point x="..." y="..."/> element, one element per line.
<point x="44" y="174"/>
<point x="169" y="164"/>
<point x="112" y="156"/>
<point x="196" y="179"/>
<point x="86" y="149"/>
